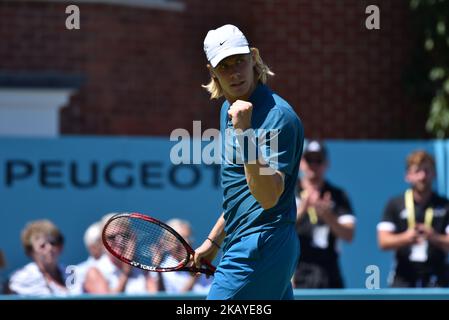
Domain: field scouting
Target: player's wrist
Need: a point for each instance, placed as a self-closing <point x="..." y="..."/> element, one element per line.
<point x="242" y="127"/>
<point x="214" y="243"/>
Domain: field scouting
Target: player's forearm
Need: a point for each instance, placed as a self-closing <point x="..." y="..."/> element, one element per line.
<point x="217" y="234"/>
<point x="265" y="184"/>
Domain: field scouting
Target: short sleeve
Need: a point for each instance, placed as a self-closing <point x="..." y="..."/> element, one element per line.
<point x="282" y="141"/>
<point x="388" y="222"/>
<point x="344" y="210"/>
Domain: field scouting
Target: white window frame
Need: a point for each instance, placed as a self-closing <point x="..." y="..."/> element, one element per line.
<point x="171" y="5"/>
<point x="32" y="111"/>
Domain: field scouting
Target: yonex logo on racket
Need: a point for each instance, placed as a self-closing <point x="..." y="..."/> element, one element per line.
<point x="142" y="266"/>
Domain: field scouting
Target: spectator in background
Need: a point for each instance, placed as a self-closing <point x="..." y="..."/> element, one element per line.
<point x="416" y="226"/>
<point x="92" y="241"/>
<point x="324" y="215"/>
<point x="181" y="281"/>
<point x="94" y="245"/>
<point x="110" y="275"/>
<point x="2" y="265"/>
<point x="43" y="243"/>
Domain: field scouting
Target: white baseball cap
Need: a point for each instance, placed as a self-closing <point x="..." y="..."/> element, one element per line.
<point x="224" y="42"/>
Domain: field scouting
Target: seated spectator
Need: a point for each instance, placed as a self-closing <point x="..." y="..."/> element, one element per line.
<point x="181" y="281"/>
<point x="110" y="275"/>
<point x="43" y="243"/>
<point x="416" y="226"/>
<point x="324" y="215"/>
<point x="94" y="245"/>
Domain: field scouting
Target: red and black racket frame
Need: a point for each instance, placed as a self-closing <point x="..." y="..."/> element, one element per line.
<point x="210" y="270"/>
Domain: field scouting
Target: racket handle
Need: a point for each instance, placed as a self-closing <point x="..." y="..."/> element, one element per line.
<point x="206" y="271"/>
<point x="208" y="264"/>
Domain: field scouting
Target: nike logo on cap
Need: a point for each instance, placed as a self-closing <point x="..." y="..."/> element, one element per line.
<point x="221" y="43"/>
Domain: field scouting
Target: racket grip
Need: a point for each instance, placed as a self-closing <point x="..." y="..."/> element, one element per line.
<point x="208" y="264"/>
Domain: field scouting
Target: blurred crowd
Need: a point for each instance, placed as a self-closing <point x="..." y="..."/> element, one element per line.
<point x="100" y="273"/>
<point x="414" y="224"/>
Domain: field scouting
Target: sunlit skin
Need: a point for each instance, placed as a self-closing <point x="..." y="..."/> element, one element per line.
<point x="185" y="232"/>
<point x="122" y="242"/>
<point x="420" y="177"/>
<point x="46" y="251"/>
<point x="238" y="79"/>
<point x="314" y="166"/>
<point x="178" y="253"/>
<point x="236" y="76"/>
<point x="314" y="169"/>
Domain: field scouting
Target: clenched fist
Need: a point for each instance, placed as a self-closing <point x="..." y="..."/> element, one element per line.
<point x="240" y="113"/>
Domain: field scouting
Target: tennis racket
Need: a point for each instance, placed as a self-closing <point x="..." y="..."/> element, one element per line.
<point x="149" y="244"/>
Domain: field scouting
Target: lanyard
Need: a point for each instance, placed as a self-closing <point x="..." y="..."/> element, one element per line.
<point x="410" y="206"/>
<point x="311" y="211"/>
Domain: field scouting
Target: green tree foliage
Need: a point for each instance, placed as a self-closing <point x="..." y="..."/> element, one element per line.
<point x="429" y="76"/>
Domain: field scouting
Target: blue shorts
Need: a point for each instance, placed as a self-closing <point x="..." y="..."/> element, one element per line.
<point x="258" y="267"/>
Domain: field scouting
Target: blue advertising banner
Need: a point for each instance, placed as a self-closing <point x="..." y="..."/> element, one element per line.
<point x="74" y="181"/>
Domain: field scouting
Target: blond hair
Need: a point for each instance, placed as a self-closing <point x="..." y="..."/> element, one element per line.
<point x="261" y="70"/>
<point x="39" y="227"/>
<point x="418" y="158"/>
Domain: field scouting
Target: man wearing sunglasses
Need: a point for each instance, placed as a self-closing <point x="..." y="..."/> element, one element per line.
<point x="324" y="215"/>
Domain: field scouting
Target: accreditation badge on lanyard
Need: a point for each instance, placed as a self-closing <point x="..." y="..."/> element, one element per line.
<point x="418" y="251"/>
<point x="320" y="238"/>
<point x="320" y="233"/>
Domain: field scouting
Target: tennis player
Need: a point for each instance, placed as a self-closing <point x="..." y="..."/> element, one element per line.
<point x="257" y="228"/>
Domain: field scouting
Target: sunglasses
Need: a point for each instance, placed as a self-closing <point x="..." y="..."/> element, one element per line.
<point x="54" y="242"/>
<point x="318" y="161"/>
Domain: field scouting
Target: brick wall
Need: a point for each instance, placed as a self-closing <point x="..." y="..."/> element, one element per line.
<point x="144" y="67"/>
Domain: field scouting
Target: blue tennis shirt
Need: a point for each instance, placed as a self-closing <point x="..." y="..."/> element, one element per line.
<point x="275" y="120"/>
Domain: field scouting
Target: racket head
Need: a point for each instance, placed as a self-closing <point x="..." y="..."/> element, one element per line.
<point x="147" y="243"/>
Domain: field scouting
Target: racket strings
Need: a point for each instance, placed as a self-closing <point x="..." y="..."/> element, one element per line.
<point x="145" y="242"/>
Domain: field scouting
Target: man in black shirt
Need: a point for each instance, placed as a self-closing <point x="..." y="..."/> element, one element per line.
<point x="416" y="225"/>
<point x="324" y="214"/>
